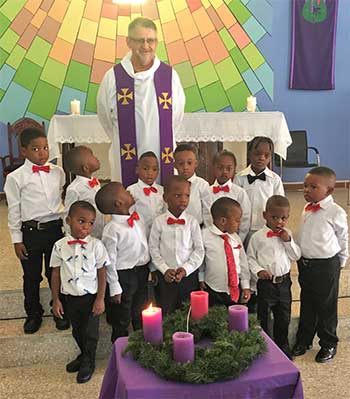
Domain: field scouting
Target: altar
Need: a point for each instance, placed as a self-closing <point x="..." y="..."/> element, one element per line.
<point x="271" y="376"/>
<point x="226" y="127"/>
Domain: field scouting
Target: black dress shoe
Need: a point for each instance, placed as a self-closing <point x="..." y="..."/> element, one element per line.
<point x="32" y="324"/>
<point x="326" y="354"/>
<point x="299" y="349"/>
<point x="74" y="365"/>
<point x="61" y="324"/>
<point x="84" y="374"/>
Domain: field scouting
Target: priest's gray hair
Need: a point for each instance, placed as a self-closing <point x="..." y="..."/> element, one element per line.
<point x="141" y="21"/>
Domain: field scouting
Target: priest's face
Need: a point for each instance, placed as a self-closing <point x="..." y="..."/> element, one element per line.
<point x="143" y="43"/>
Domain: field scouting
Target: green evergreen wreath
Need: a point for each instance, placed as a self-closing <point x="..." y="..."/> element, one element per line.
<point x="230" y="353"/>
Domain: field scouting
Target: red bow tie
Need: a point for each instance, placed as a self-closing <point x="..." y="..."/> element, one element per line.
<point x="93" y="182"/>
<point x="271" y="233"/>
<point x="72" y="242"/>
<point x="41" y="168"/>
<point x="134" y="216"/>
<point x="148" y="190"/>
<point x="175" y="221"/>
<point x="217" y="189"/>
<point x="312" y="208"/>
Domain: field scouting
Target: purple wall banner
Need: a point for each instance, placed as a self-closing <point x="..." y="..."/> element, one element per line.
<point x="314" y="24"/>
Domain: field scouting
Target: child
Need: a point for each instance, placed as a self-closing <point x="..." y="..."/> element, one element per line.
<point x="81" y="162"/>
<point x="270" y="253"/>
<point x="225" y="164"/>
<point x="176" y="246"/>
<point x="126" y="242"/>
<point x="78" y="271"/>
<point x="186" y="161"/>
<point x="35" y="208"/>
<point x="225" y="263"/>
<point x="260" y="183"/>
<point x="147" y="194"/>
<point x="323" y="239"/>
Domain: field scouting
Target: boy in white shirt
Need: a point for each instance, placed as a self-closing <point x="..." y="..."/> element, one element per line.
<point x="35" y="210"/>
<point x="260" y="183"/>
<point x="147" y="194"/>
<point x="225" y="164"/>
<point x="186" y="162"/>
<point x="126" y="242"/>
<point x="78" y="272"/>
<point x="225" y="268"/>
<point x="176" y="246"/>
<point x="81" y="162"/>
<point x="323" y="239"/>
<point x="270" y="253"/>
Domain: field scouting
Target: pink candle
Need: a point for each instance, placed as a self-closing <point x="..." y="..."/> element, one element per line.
<point x="152" y="325"/>
<point x="238" y="318"/>
<point x="199" y="304"/>
<point x="183" y="347"/>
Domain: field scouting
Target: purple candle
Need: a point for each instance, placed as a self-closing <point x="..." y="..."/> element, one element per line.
<point x="152" y="325"/>
<point x="238" y="318"/>
<point x="183" y="347"/>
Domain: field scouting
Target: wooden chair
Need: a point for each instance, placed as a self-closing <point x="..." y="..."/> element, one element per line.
<point x="14" y="158"/>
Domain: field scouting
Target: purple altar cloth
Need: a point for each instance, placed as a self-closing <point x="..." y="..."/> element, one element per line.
<point x="272" y="376"/>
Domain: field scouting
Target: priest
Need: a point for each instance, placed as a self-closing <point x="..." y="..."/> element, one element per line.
<point x="140" y="103"/>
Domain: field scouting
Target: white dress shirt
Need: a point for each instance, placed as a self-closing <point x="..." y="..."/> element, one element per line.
<point x="33" y="196"/>
<point x="324" y="233"/>
<point x="127" y="247"/>
<point x="78" y="264"/>
<point x="237" y="193"/>
<point x="146" y="110"/>
<point x="259" y="192"/>
<point x="214" y="269"/>
<point x="79" y="190"/>
<point x="199" y="189"/>
<point x="176" y="245"/>
<point x="271" y="253"/>
<point x="147" y="206"/>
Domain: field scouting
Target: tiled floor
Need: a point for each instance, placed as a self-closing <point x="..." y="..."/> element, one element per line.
<point x="51" y="380"/>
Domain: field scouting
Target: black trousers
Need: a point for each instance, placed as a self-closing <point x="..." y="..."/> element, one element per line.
<point x="173" y="295"/>
<point x="134" y="299"/>
<point x="39" y="244"/>
<point x="218" y="298"/>
<point x="85" y="326"/>
<point x="319" y="282"/>
<point x="275" y="299"/>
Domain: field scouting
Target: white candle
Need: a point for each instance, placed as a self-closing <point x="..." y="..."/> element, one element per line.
<point x="75" y="107"/>
<point x="251" y="104"/>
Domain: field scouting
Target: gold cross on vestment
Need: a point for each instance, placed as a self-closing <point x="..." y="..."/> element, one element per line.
<point x="164" y="100"/>
<point x="167" y="155"/>
<point x="125" y="96"/>
<point x="128" y="152"/>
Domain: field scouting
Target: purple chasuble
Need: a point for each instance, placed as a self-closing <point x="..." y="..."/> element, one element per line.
<point x="313" y="44"/>
<point x="127" y="126"/>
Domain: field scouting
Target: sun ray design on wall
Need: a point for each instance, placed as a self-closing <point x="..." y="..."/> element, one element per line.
<point x="52" y="51"/>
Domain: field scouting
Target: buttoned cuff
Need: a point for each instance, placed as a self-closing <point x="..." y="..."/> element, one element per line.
<point x="189" y="269"/>
<point x="115" y="289"/>
<point x="162" y="267"/>
<point x="245" y="284"/>
<point x="16" y="237"/>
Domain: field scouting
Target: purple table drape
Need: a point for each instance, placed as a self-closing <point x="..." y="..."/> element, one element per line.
<point x="272" y="376"/>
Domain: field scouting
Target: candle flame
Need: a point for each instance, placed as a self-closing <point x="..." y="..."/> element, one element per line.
<point x="150" y="306"/>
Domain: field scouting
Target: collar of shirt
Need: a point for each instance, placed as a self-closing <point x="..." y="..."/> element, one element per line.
<point x="126" y="62"/>
<point x="121" y="219"/>
<point x="325" y="203"/>
<point x="249" y="171"/>
<point x="233" y="237"/>
<point x="85" y="181"/>
<point x="228" y="183"/>
<point x="143" y="184"/>
<point x="192" y="178"/>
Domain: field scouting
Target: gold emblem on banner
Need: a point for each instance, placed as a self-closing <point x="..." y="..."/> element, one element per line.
<point x="128" y="152"/>
<point x="164" y="100"/>
<point x="167" y="155"/>
<point x="125" y="96"/>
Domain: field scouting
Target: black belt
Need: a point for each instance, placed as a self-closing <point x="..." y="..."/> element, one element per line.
<point x="280" y="279"/>
<point x="316" y="261"/>
<point x="34" y="224"/>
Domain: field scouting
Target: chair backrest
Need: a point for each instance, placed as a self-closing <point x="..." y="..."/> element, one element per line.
<point x="297" y="151"/>
<point x="14" y="132"/>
